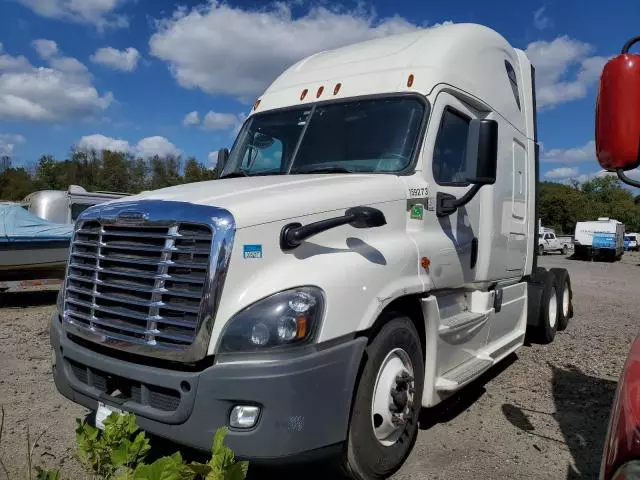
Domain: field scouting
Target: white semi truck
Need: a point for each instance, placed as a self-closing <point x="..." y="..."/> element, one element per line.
<point x="369" y="249"/>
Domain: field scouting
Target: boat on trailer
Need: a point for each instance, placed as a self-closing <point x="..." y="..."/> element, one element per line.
<point x="30" y="245"/>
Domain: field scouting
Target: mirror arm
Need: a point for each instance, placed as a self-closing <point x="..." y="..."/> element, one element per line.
<point x="293" y="234"/>
<point x="447" y="204"/>
<point x="627" y="180"/>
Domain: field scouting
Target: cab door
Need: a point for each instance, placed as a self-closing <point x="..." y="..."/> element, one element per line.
<point x="450" y="242"/>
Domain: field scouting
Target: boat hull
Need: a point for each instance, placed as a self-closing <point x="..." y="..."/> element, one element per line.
<point x="33" y="255"/>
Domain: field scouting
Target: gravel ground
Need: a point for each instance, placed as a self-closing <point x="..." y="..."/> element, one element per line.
<point x="541" y="414"/>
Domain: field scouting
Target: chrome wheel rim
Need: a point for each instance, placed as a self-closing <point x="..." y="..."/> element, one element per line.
<point x="393" y="397"/>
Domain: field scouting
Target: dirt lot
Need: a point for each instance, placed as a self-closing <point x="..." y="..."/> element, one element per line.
<point x="541" y="415"/>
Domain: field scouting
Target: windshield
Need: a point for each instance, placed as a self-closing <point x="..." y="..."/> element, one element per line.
<point x="372" y="136"/>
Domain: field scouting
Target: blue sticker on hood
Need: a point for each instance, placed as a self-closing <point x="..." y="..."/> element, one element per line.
<point x="253" y="251"/>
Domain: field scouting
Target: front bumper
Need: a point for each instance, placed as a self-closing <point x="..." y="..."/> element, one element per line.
<point x="305" y="400"/>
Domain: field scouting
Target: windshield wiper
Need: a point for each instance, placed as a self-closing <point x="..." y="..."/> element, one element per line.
<point x="324" y="170"/>
<point x="243" y="173"/>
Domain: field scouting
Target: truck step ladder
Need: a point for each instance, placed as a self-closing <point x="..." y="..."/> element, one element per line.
<point x="463" y="374"/>
<point x="460" y="321"/>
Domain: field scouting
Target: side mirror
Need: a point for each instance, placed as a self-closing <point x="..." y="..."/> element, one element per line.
<point x="617" y="132"/>
<point x="482" y="152"/>
<point x="223" y="156"/>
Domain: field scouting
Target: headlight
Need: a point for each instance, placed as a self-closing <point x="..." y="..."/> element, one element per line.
<point x="285" y="319"/>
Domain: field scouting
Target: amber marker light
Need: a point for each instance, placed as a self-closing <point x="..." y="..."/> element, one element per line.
<point x="319" y="92"/>
<point x="410" y="80"/>
<point x="301" y="323"/>
<point x="304" y="93"/>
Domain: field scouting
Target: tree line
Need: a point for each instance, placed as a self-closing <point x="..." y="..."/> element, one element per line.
<point x="560" y="206"/>
<point x="105" y="170"/>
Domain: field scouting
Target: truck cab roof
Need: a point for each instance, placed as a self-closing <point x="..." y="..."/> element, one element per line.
<point x="473" y="57"/>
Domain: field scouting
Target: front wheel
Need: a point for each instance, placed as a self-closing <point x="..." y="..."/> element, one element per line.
<point x="384" y="421"/>
<point x="540" y="250"/>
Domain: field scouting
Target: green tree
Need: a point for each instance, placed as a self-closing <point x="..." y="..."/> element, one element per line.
<point x="15" y="184"/>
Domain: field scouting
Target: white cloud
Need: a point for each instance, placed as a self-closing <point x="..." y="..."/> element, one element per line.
<point x="191" y="118"/>
<point x="585" y="153"/>
<point x="100" y="142"/>
<point x="100" y="13"/>
<point x="213" y="159"/>
<point x="8" y="143"/>
<point x="45" y="48"/>
<point x="562" y="172"/>
<point x="124" y="60"/>
<point x="220" y="121"/>
<point x="146" y="147"/>
<point x="12" y="64"/>
<point x="197" y="43"/>
<point x="151" y="146"/>
<point x="62" y="90"/>
<point x="540" y="20"/>
<point x="554" y="60"/>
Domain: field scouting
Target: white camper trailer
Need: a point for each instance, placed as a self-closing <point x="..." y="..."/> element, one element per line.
<point x="603" y="238"/>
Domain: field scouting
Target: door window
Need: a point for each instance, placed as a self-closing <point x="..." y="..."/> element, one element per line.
<point x="450" y="149"/>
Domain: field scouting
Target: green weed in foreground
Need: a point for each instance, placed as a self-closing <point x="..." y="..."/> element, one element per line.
<point x="119" y="451"/>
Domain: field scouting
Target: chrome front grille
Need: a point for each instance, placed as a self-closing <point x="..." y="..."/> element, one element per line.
<point x="149" y="286"/>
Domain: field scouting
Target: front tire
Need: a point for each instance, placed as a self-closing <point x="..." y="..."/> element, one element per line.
<point x="384" y="420"/>
<point x="540" y="250"/>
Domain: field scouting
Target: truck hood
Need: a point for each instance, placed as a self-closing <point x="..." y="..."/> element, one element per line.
<point x="263" y="199"/>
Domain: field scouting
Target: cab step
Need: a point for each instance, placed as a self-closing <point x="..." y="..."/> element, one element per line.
<point x="461" y="321"/>
<point x="463" y="374"/>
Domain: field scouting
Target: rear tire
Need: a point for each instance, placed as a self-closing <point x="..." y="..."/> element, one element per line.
<point x="376" y="447"/>
<point x="564" y="250"/>
<point x="549" y="309"/>
<point x="565" y="297"/>
<point x="540" y="250"/>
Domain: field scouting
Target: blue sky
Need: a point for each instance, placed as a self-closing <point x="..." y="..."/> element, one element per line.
<point x="125" y="74"/>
